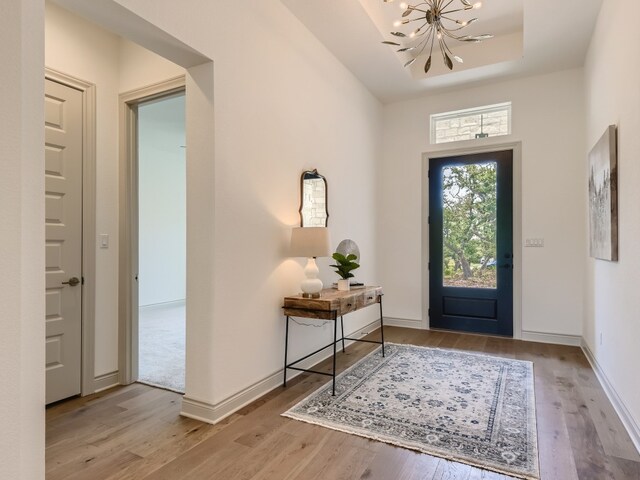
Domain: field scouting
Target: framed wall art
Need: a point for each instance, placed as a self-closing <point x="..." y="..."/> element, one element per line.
<point x="603" y="197"/>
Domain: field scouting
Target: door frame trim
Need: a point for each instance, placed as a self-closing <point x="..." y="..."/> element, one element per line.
<point x="89" y="244"/>
<point x="128" y="221"/>
<point x="476" y="147"/>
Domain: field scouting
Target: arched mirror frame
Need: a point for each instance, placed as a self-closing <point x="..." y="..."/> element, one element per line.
<point x="313" y="175"/>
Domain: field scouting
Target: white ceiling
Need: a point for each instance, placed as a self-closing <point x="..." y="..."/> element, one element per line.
<point x="531" y="36"/>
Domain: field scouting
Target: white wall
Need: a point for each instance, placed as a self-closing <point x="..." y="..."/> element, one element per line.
<point x="612" y="302"/>
<point x="162" y="201"/>
<point x="139" y="67"/>
<point x="81" y="49"/>
<point x="22" y="232"/>
<point x="283" y="104"/>
<point x="548" y="117"/>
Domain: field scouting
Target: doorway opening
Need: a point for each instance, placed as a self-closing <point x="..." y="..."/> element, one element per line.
<point x="153" y="239"/>
<point x="161" y="241"/>
<point x="471" y="243"/>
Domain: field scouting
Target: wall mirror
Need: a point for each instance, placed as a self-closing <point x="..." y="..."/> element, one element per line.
<point x="314" y="211"/>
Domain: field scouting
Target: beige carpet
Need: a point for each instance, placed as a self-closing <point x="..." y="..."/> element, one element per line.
<point x="161" y="333"/>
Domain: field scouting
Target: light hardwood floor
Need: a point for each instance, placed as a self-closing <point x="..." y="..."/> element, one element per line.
<point x="135" y="432"/>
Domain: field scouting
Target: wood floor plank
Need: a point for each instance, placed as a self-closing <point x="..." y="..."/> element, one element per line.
<point x="136" y="432"/>
<point x="589" y="456"/>
<point x="611" y="432"/>
<point x="448" y="470"/>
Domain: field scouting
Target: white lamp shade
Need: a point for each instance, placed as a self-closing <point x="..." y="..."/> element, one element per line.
<point x="310" y="242"/>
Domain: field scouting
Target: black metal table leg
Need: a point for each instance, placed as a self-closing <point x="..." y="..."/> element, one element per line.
<point x="381" y="325"/>
<point x="342" y="325"/>
<point x="286" y="347"/>
<point x="335" y="340"/>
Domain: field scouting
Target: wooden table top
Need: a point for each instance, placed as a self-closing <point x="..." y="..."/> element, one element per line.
<point x="330" y="298"/>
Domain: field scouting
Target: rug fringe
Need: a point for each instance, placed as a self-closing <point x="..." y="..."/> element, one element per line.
<point x="416" y="448"/>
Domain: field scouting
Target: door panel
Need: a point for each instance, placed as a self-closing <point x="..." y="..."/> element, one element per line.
<point x="471" y="243"/>
<point x="63" y="242"/>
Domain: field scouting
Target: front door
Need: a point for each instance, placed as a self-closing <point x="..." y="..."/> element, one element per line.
<point x="63" y="242"/>
<point x="471" y="243"/>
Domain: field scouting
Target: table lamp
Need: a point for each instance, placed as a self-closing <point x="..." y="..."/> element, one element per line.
<point x="310" y="242"/>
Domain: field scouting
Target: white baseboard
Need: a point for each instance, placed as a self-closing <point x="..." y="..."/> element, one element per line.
<point x="621" y="409"/>
<point x="213" y="413"/>
<point x="103" y="382"/>
<point x="553" y="338"/>
<point x="403" y="323"/>
<point x="165" y="304"/>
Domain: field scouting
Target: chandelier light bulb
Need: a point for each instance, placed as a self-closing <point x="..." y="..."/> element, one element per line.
<point x="437" y="26"/>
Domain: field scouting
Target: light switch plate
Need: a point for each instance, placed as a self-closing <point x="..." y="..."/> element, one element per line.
<point x="104" y="240"/>
<point x="534" y="242"/>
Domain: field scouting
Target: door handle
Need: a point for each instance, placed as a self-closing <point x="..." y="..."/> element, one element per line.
<point x="73" y="281"/>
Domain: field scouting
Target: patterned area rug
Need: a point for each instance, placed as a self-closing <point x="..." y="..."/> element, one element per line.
<point x="466" y="407"/>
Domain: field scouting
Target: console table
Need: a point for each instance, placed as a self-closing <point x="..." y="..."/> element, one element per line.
<point x="331" y="305"/>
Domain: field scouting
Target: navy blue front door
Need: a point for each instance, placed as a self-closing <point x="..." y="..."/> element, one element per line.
<point x="471" y="243"/>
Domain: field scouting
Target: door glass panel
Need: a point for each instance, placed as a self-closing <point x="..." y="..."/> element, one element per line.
<point x="469" y="225"/>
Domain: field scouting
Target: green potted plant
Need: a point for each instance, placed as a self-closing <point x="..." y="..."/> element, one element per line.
<point x="344" y="266"/>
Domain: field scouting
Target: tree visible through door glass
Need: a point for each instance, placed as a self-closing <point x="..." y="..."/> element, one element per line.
<point x="469" y="225"/>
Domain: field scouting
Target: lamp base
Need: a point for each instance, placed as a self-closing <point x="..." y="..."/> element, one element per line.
<point x="311" y="286"/>
<point x="311" y="295"/>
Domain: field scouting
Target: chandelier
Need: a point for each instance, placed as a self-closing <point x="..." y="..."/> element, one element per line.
<point x="436" y="26"/>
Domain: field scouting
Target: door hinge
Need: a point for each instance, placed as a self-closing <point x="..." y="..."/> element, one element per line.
<point x="429" y="266"/>
<point x="82" y="280"/>
<point x="429" y="219"/>
<point x="428" y="173"/>
<point x="429" y="312"/>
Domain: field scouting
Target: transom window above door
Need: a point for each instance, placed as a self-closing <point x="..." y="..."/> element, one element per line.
<point x="471" y="123"/>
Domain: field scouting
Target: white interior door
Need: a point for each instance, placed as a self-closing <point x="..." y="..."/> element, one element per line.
<point x="63" y="197"/>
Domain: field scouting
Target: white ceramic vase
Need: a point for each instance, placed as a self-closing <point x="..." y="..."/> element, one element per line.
<point x="343" y="285"/>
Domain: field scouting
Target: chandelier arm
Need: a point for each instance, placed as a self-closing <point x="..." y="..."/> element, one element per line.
<point x="421" y="32"/>
<point x="451" y="35"/>
<point x="443" y="49"/>
<point x="448" y="3"/>
<point x="449" y="12"/>
<point x="415" y="19"/>
<point x="427" y="35"/>
<point x="426" y="41"/>
<point x="433" y="37"/>
<point x="447" y="48"/>
<point x="449" y="18"/>
<point x="454" y="11"/>
<point x="454" y="29"/>
<point x="417" y="33"/>
<point x="423" y="43"/>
